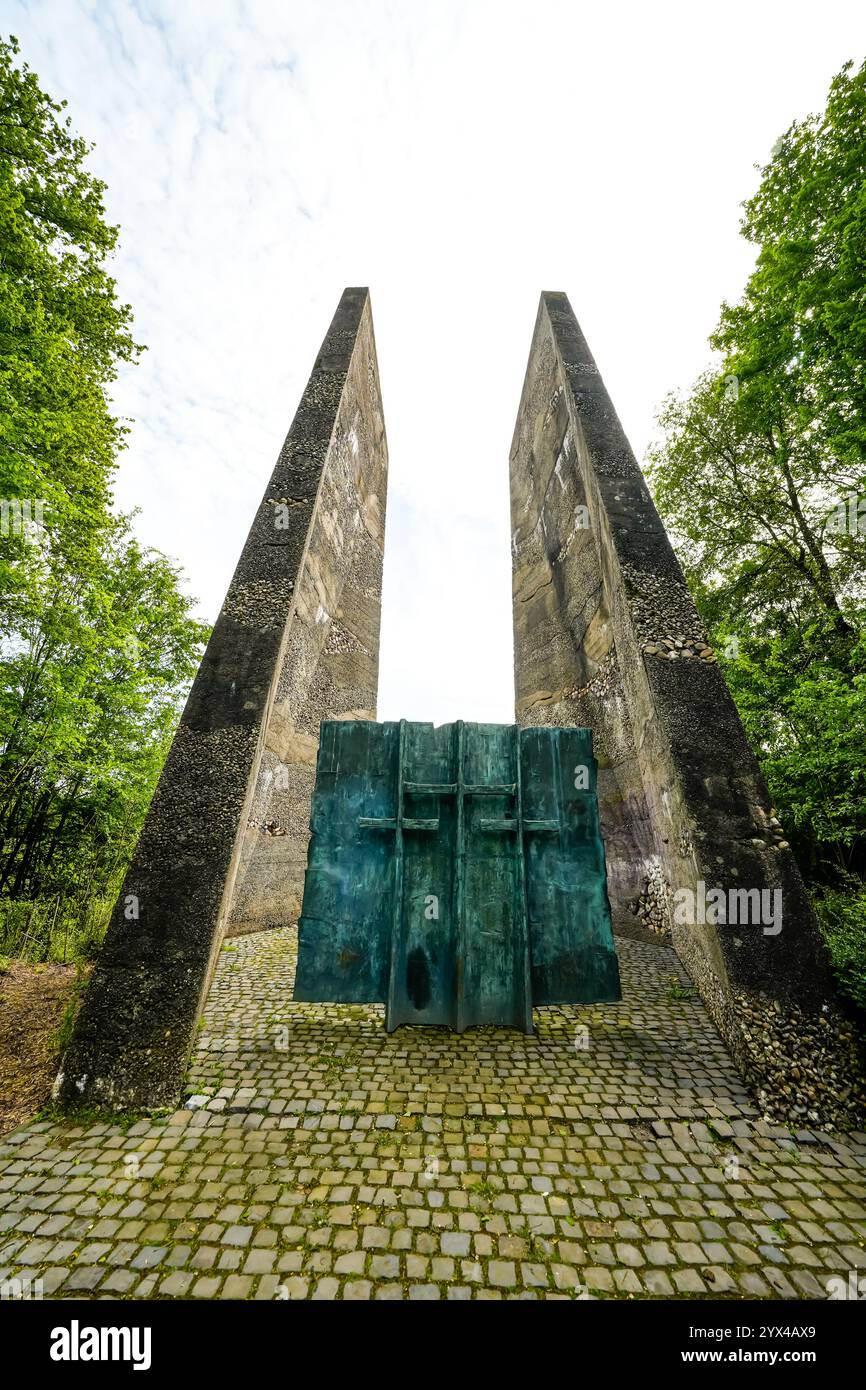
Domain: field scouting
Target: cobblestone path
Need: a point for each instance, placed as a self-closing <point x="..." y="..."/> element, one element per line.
<point x="613" y="1154"/>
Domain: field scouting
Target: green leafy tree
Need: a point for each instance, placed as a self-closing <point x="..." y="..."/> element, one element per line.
<point x="800" y="328"/>
<point x="761" y="476"/>
<point x="97" y="643"/>
<point x="754" y="504"/>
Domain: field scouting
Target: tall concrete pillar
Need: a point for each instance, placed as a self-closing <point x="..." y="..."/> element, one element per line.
<point x="297" y="640"/>
<point x="606" y="635"/>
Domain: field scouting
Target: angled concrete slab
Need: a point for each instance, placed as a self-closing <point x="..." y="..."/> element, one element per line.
<point x="606" y="635"/>
<point x="225" y="838"/>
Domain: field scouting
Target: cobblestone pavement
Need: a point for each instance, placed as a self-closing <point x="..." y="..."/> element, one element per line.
<point x="613" y="1154"/>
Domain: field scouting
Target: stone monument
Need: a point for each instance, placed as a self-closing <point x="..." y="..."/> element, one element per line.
<point x="606" y="637"/>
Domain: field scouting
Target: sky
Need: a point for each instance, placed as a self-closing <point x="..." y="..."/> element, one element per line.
<point x="458" y="158"/>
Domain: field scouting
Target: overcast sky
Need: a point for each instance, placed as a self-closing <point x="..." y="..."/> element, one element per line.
<point x="457" y="158"/>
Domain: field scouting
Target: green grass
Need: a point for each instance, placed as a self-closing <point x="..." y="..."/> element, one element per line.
<point x="676" y="990"/>
<point x="67" y="1022"/>
<point x="53" y="929"/>
<point x="85" y="1116"/>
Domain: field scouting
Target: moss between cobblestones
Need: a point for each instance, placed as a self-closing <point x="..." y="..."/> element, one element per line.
<point x="87" y="1118"/>
<point x="352" y="1163"/>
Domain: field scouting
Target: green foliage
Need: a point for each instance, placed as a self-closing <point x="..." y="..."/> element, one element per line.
<point x="62" y="331"/>
<point x="761" y="477"/>
<point x="806" y="720"/>
<point x="58" y="929"/>
<point x="96" y="639"/>
<point x="800" y="329"/>
<point x="842" y="913"/>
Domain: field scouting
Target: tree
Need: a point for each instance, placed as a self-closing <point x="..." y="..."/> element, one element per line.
<point x="96" y="639"/>
<point x="88" y="708"/>
<point x="761" y="476"/>
<point x="755" y="505"/>
<point x="800" y="328"/>
<point x="62" y="331"/>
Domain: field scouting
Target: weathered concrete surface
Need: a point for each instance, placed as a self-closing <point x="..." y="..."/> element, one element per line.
<point x="330" y="664"/>
<point x="598" y="594"/>
<point x="297" y="638"/>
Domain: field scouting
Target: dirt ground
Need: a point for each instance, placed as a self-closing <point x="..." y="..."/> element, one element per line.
<point x="33" y="1001"/>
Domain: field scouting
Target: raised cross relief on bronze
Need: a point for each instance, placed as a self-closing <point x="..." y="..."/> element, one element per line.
<point x="456" y="874"/>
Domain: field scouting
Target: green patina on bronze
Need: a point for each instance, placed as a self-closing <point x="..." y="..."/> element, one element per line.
<point x="456" y="874"/>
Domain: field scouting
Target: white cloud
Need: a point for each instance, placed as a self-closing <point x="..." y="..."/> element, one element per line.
<point x="458" y="158"/>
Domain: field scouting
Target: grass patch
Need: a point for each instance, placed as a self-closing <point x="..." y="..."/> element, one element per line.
<point x="677" y="990"/>
<point x="54" y="929"/>
<point x="85" y="1117"/>
<point x="842" y="915"/>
